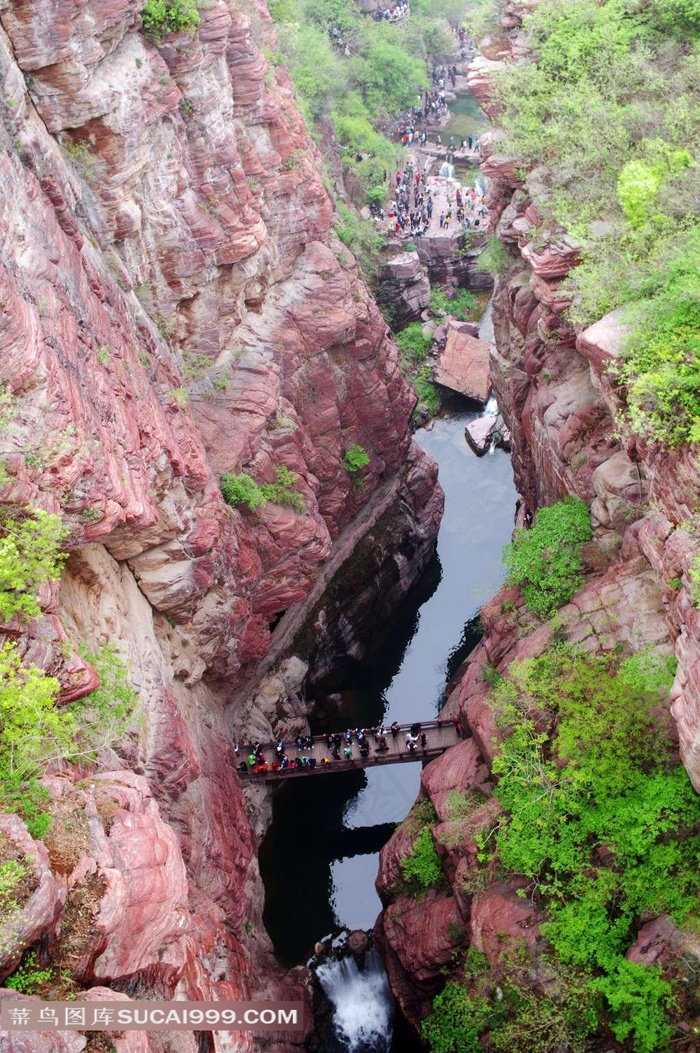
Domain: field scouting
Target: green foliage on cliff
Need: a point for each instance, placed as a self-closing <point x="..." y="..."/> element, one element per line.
<point x="545" y="561"/>
<point x="612" y="103"/>
<point x="601" y="819"/>
<point x="242" y="489"/>
<point x="457" y="1021"/>
<point x="29" y="556"/>
<point x="422" y="870"/>
<point x="413" y="343"/>
<point x="35" y="732"/>
<point x="355" y="458"/>
<point x="170" y="16"/>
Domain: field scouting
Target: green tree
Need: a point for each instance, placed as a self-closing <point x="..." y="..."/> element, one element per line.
<point x="355" y="458"/>
<point x="546" y="560"/>
<point x="169" y="16"/>
<point x="32" y="729"/>
<point x="29" y="556"/>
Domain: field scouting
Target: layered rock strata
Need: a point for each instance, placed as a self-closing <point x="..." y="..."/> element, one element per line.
<point x="174" y="304"/>
<point x="562" y="408"/>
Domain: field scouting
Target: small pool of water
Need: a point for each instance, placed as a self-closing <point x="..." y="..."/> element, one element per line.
<point x="467" y="118"/>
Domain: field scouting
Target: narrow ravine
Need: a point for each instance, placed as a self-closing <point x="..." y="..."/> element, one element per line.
<point x="403" y="679"/>
<point x="319" y="860"/>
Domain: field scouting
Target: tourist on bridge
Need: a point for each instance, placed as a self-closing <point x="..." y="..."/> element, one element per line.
<point x="383" y="745"/>
<point x="395" y="729"/>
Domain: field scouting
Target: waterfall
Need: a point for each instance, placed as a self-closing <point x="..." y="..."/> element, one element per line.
<point x="447" y="171"/>
<point x="362" y="1003"/>
<point x="482" y="184"/>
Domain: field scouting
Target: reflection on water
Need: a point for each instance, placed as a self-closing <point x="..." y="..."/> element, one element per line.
<point x="315" y="879"/>
<point x="467" y="118"/>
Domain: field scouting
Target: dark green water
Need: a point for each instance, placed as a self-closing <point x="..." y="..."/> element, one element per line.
<point x="467" y="118"/>
<point x="319" y="861"/>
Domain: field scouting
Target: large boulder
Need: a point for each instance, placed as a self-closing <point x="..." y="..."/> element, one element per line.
<point x="464" y="364"/>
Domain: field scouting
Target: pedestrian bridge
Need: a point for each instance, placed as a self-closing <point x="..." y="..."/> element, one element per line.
<point x="439" y="736"/>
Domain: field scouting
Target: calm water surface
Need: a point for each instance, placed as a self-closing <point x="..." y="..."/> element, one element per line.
<point x="320" y="859"/>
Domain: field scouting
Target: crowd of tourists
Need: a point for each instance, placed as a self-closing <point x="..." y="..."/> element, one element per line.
<point x="338" y="747"/>
<point x="412" y="205"/>
<point x="395" y="13"/>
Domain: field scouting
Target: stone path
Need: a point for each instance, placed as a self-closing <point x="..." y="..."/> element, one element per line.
<point x="443" y="191"/>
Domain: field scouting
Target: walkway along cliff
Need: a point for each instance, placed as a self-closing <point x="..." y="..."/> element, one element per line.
<point x="483" y="923"/>
<point x="175" y="306"/>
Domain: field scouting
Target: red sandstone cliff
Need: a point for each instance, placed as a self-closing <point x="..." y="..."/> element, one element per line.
<point x="559" y="403"/>
<point x="174" y="304"/>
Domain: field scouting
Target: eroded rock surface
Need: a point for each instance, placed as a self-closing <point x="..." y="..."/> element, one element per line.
<point x="174" y="304"/>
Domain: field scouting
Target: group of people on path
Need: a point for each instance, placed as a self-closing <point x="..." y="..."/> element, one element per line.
<point x="339" y="746"/>
<point x="470" y="210"/>
<point x="411" y="208"/>
<point x="395" y="13"/>
<point x="410" y="211"/>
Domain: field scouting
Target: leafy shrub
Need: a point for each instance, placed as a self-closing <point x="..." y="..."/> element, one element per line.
<point x="104" y="716"/>
<point x="661" y="359"/>
<point x="29" y="556"/>
<point x="243" y="490"/>
<point x="457" y="1021"/>
<point x="281" y="492"/>
<point x="355" y="458"/>
<point x="11" y="874"/>
<point x="413" y="343"/>
<point x="639" y="999"/>
<point x="493" y="258"/>
<point x="359" y="235"/>
<point x="169" y="16"/>
<point x="600" y="816"/>
<point x="681" y="16"/>
<point x="545" y="561"/>
<point x="28" y="977"/>
<point x="462" y="305"/>
<point x="422" y="869"/>
<point x="34" y="732"/>
<point x="427" y="392"/>
<point x="438" y="301"/>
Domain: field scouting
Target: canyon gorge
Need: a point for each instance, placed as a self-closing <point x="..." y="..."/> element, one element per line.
<point x="176" y="306"/>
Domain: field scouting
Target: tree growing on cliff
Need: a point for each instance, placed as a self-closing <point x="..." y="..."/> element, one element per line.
<point x="545" y="561"/>
<point x="29" y="556"/>
<point x="169" y="16"/>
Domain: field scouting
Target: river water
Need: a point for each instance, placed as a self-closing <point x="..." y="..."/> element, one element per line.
<point x="319" y="861"/>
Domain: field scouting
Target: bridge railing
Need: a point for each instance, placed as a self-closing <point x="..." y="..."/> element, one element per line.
<point x="394" y="756"/>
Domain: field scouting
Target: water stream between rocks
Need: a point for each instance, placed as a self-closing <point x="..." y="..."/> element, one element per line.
<point x="319" y="860"/>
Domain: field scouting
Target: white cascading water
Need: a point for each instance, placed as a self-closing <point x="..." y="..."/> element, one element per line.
<point x="482" y="184"/>
<point x="362" y="1002"/>
<point x="447" y="171"/>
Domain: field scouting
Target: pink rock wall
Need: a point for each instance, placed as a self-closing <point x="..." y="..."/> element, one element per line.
<point x="174" y="304"/>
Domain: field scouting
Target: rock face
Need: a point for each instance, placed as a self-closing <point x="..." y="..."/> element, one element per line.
<point x="463" y="366"/>
<point x="174" y="304"/>
<point x="404" y="288"/>
<point x="558" y="400"/>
